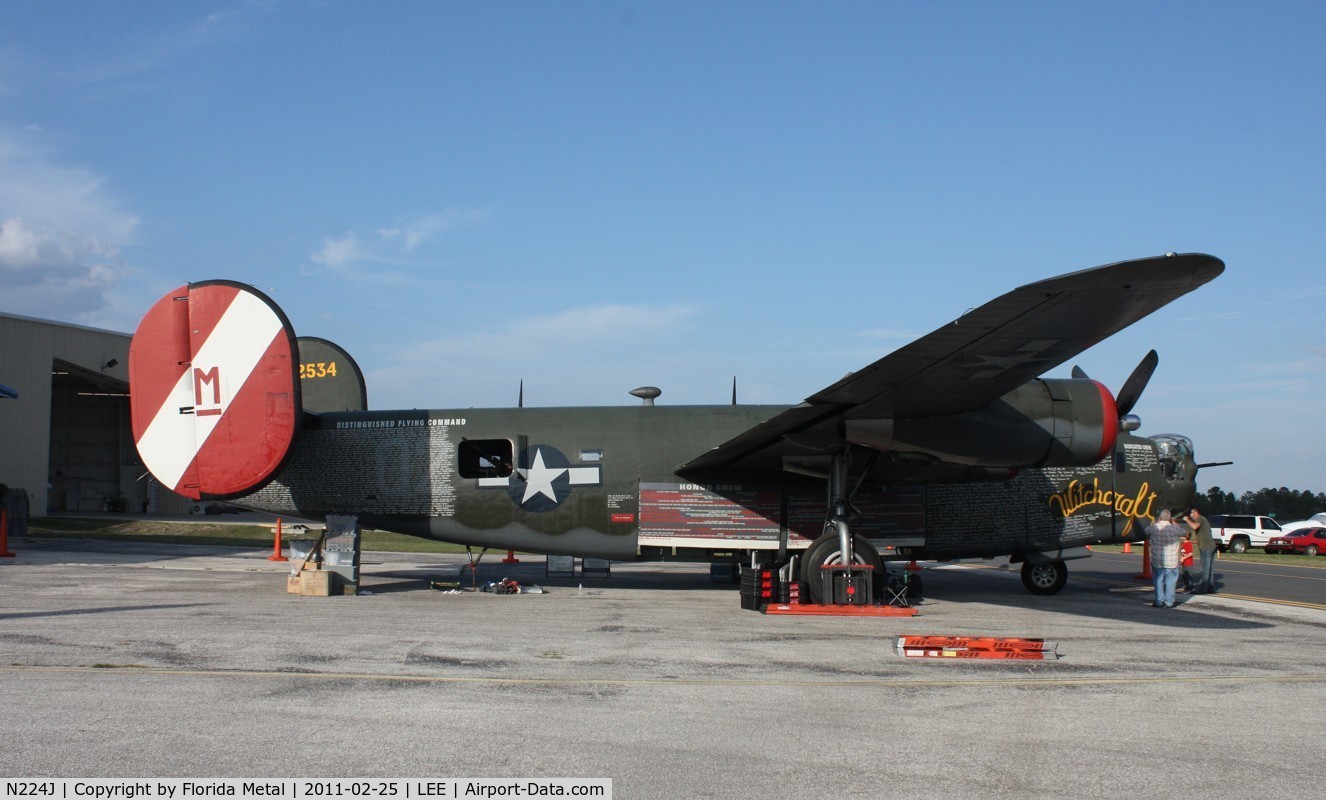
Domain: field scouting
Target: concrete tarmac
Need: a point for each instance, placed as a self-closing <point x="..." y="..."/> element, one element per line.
<point x="141" y="660"/>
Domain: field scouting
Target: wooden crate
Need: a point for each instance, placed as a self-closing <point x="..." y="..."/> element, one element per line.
<point x="315" y="583"/>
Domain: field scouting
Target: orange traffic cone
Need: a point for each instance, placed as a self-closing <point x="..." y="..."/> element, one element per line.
<point x="276" y="545"/>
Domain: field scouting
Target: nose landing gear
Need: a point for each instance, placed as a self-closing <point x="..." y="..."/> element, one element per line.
<point x="1045" y="578"/>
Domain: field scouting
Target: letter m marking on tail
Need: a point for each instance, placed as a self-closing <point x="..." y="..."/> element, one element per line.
<point x="212" y="379"/>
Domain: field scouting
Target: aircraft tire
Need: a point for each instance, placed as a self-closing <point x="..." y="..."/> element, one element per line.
<point x="1044" y="579"/>
<point x="825" y="548"/>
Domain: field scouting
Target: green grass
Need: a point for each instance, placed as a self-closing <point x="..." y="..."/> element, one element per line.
<point x="213" y="533"/>
<point x="1250" y="557"/>
<point x="248" y="535"/>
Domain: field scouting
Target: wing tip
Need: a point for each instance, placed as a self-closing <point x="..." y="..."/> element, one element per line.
<point x="1184" y="270"/>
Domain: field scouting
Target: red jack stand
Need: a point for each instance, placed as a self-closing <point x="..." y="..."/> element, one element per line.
<point x="276" y="546"/>
<point x="4" y="534"/>
<point x="511" y="558"/>
<point x="809" y="610"/>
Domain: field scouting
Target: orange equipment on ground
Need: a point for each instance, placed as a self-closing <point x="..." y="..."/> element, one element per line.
<point x="276" y="545"/>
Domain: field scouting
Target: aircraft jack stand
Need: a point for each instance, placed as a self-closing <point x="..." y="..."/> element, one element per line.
<point x="4" y="534"/>
<point x="821" y="610"/>
<point x="852" y="591"/>
<point x="976" y="647"/>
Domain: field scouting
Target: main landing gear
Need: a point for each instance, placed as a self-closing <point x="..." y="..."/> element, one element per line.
<point x="824" y="565"/>
<point x="827" y="551"/>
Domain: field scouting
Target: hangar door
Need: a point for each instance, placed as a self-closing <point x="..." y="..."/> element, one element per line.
<point x="94" y="465"/>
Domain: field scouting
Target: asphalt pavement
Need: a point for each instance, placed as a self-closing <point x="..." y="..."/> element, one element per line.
<point x="169" y="661"/>
<point x="1288" y="583"/>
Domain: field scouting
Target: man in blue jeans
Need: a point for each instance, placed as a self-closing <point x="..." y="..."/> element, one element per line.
<point x="1165" y="537"/>
<point x="1200" y="534"/>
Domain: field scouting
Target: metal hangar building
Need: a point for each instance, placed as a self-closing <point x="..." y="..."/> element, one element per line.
<point x="65" y="434"/>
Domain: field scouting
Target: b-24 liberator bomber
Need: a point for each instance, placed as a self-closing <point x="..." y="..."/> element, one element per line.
<point x="950" y="447"/>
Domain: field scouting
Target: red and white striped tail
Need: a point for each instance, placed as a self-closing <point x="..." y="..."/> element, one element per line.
<point x="214" y="385"/>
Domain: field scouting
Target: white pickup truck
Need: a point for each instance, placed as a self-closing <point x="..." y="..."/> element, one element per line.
<point x="1237" y="532"/>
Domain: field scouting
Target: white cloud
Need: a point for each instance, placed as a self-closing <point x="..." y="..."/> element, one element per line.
<point x="61" y="233"/>
<point x="29" y="254"/>
<point x="62" y="275"/>
<point x="402" y="246"/>
<point x="19" y="248"/>
<point x="337" y="253"/>
<point x="419" y="232"/>
<point x="50" y="195"/>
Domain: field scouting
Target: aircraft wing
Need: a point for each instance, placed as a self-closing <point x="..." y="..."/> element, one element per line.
<point x="978" y="357"/>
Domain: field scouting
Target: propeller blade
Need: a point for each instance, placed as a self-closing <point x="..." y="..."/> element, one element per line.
<point x="1080" y="373"/>
<point x="1136" y="383"/>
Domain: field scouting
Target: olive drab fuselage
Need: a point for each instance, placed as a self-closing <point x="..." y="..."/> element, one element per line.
<point x="604" y="481"/>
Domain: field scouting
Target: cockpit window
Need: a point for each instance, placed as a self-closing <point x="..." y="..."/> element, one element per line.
<point x="1175" y="453"/>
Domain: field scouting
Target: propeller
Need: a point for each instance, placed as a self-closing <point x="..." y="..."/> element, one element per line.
<point x="1133" y="387"/>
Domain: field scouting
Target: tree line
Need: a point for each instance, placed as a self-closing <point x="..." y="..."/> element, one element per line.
<point x="1284" y="504"/>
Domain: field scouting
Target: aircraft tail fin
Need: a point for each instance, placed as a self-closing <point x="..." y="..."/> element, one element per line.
<point x="329" y="378"/>
<point x="214" y="389"/>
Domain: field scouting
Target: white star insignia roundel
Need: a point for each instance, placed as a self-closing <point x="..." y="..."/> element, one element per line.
<point x="539" y="479"/>
<point x="543" y="479"/>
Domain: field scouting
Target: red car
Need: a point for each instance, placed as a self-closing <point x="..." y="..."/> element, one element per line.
<point x="1308" y="542"/>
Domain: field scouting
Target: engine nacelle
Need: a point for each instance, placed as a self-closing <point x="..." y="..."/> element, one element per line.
<point x="1056" y="422"/>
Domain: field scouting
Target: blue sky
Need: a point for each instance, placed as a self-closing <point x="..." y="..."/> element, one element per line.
<point x="592" y="197"/>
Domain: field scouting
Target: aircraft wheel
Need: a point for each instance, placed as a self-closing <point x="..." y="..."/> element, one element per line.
<point x="825" y="550"/>
<point x="1047" y="578"/>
